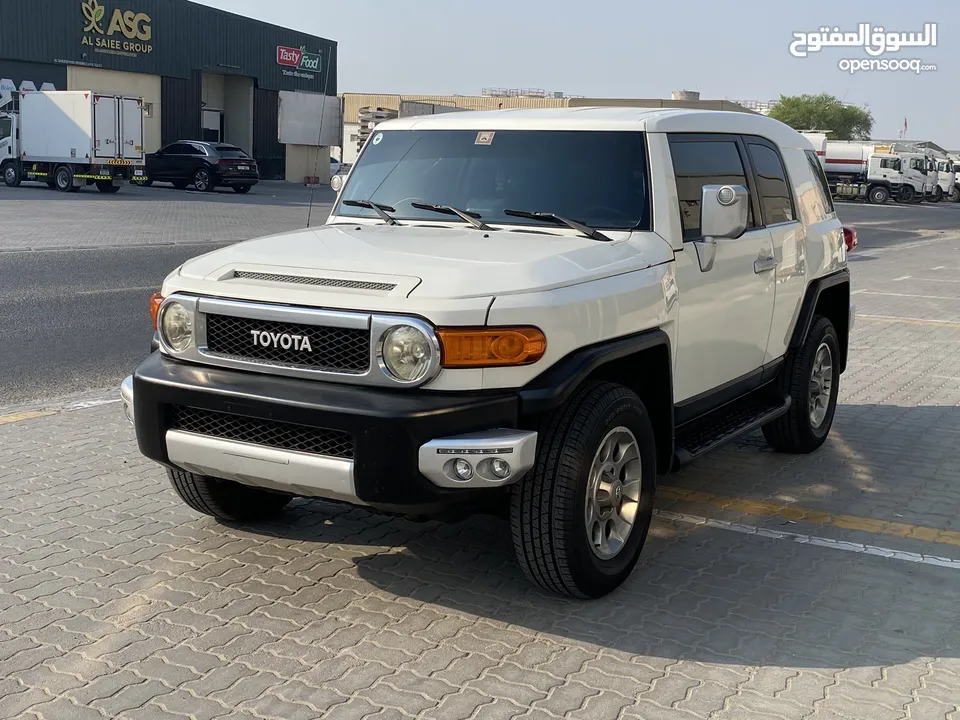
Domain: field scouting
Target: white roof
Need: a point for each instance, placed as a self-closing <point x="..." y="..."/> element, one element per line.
<point x="656" y="120"/>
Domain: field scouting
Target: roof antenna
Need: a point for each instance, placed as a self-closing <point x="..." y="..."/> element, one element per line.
<point x="323" y="111"/>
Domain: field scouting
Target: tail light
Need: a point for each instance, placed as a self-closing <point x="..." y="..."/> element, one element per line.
<point x="850" y="238"/>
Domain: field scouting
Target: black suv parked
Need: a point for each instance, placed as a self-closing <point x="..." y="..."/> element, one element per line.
<point x="205" y="165"/>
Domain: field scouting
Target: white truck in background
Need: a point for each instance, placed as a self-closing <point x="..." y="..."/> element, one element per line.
<point x="72" y="138"/>
<point x="865" y="170"/>
<point x="819" y="142"/>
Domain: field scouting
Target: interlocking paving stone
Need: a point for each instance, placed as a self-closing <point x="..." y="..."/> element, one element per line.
<point x="118" y="601"/>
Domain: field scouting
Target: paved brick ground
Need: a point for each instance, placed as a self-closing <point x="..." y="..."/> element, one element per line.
<point x="117" y="601"/>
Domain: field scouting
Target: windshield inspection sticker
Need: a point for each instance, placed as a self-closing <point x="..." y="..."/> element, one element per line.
<point x="484" y="138"/>
<point x="377" y="138"/>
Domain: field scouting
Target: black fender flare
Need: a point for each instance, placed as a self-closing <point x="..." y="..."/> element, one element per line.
<point x="556" y="384"/>
<point x="805" y="319"/>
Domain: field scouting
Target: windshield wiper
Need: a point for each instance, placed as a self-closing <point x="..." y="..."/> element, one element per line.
<point x="465" y="215"/>
<point x="558" y="220"/>
<point x="378" y="208"/>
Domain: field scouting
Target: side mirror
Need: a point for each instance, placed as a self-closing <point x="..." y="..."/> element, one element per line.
<point x="723" y="214"/>
<point x="336" y="182"/>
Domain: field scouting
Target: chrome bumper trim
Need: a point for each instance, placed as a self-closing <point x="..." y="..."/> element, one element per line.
<point x="284" y="470"/>
<point x="126" y="395"/>
<point x="518" y="448"/>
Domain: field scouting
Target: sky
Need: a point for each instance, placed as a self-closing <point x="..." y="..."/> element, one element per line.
<point x="624" y="48"/>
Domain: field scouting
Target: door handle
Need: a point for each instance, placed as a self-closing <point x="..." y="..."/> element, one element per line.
<point x="764" y="264"/>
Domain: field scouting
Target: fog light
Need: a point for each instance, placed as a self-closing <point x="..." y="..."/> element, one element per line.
<point x="500" y="468"/>
<point x="463" y="469"/>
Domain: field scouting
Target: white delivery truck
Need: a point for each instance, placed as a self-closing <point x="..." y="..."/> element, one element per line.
<point x="72" y="138"/>
<point x="856" y="169"/>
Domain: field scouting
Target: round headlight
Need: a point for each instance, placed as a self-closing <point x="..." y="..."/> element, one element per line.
<point x="407" y="353"/>
<point x="176" y="325"/>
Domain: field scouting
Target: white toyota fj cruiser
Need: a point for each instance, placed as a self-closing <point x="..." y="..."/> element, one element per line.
<point x="541" y="308"/>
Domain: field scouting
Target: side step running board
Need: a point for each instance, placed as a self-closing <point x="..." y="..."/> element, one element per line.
<point x="724" y="424"/>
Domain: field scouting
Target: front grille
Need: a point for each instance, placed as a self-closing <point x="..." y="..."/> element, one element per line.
<point x="316" y="281"/>
<point x="339" y="350"/>
<point x="269" y="433"/>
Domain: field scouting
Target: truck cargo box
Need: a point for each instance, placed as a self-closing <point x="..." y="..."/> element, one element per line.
<point x="81" y="126"/>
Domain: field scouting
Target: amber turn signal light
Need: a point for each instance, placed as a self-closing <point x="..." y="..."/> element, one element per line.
<point x="155" y="301"/>
<point x="490" y="347"/>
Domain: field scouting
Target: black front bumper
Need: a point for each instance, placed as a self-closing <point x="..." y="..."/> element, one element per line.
<point x="388" y="428"/>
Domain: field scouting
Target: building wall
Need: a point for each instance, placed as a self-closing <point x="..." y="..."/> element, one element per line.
<point x="125" y="83"/>
<point x="212" y="97"/>
<point x="238" y="111"/>
<point x="37" y="73"/>
<point x="182" y="97"/>
<point x="172" y="38"/>
<point x="267" y="149"/>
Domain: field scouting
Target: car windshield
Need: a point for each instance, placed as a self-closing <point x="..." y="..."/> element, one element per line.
<point x="596" y="178"/>
<point x="228" y="151"/>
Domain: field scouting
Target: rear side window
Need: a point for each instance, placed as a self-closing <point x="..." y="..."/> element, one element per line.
<point x="776" y="200"/>
<point x="821" y="181"/>
<point x="699" y="163"/>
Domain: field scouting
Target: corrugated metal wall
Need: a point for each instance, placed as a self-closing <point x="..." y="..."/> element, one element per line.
<point x="180" y="116"/>
<point x="269" y="153"/>
<point x="184" y="36"/>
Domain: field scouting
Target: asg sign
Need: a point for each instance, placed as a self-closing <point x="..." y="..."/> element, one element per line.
<point x="134" y="27"/>
<point x="298" y="58"/>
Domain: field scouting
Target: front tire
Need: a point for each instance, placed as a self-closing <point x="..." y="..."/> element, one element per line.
<point x="581" y="516"/>
<point x="11" y="175"/>
<point x="937" y="195"/>
<point x="226" y="500"/>
<point x="955" y="195"/>
<point x="242" y="188"/>
<point x="811" y="378"/>
<point x="907" y="194"/>
<point x="879" y="195"/>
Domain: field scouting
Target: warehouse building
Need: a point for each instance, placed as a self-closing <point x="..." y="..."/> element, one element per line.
<point x="360" y="109"/>
<point x="204" y="74"/>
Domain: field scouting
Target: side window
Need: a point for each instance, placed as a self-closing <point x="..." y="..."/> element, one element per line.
<point x="175" y="149"/>
<point x="191" y="149"/>
<point x="699" y="163"/>
<point x="821" y="180"/>
<point x="776" y="199"/>
<point x="6" y="125"/>
<point x="890" y="163"/>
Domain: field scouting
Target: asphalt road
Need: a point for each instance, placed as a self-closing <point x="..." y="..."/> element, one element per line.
<point x="74" y="320"/>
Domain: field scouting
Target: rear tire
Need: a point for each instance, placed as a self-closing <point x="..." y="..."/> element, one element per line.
<point x="63" y="178"/>
<point x="800" y="430"/>
<point x="11" y="175"/>
<point x="553" y="506"/>
<point x="242" y="188"/>
<point x="203" y="180"/>
<point x="226" y="500"/>
<point x="106" y="186"/>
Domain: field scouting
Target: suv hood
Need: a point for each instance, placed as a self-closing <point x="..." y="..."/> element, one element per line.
<point x="433" y="260"/>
